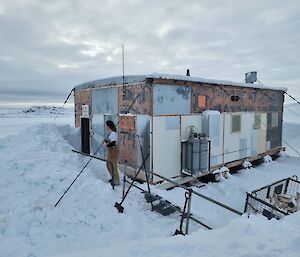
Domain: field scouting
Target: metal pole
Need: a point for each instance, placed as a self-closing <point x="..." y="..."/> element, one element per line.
<point x="188" y="213"/>
<point x="218" y="203"/>
<point x="101" y="159"/>
<point x="124" y="178"/>
<point x="129" y="108"/>
<point x="209" y="154"/>
<point x="146" y="173"/>
<point x="196" y="193"/>
<point x="246" y="204"/>
<point x="123" y="65"/>
<point x="119" y="205"/>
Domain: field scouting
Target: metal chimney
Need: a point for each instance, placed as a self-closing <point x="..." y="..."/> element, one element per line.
<point x="251" y="77"/>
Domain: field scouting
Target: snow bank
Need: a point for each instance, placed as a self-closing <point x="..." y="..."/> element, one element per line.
<point x="37" y="165"/>
<point x="254" y="237"/>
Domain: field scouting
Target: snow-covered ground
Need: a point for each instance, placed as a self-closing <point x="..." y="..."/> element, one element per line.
<point x="37" y="165"/>
<point x="15" y="118"/>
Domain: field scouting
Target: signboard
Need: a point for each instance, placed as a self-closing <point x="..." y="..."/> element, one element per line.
<point x="85" y="111"/>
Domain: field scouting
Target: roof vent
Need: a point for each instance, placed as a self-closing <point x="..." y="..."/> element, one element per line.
<point x="188" y="72"/>
<point x="251" y="77"/>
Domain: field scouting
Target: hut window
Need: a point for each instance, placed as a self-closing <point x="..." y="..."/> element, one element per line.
<point x="274" y="121"/>
<point x="257" y="121"/>
<point x="235" y="123"/>
<point x="201" y="101"/>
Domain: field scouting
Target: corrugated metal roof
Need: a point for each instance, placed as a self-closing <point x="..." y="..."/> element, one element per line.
<point x="141" y="78"/>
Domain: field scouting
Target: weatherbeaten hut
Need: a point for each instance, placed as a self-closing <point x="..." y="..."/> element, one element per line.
<point x="181" y="124"/>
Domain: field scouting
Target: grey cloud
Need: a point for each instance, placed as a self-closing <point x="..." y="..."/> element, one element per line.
<point x="50" y="46"/>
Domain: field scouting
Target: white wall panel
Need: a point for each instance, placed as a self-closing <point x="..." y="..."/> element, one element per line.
<point x="186" y="122"/>
<point x="166" y="146"/>
<point x="247" y="125"/>
<point x="262" y="134"/>
<point x="143" y="139"/>
<point x="212" y="126"/>
<point x="231" y="141"/>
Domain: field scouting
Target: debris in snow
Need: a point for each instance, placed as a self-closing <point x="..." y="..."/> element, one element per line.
<point x="247" y="165"/>
<point x="42" y="110"/>
<point x="267" y="159"/>
<point x="222" y="173"/>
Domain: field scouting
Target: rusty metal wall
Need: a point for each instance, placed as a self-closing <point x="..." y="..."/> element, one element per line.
<point x="127" y="140"/>
<point x="214" y="97"/>
<point x="105" y="100"/>
<point x="274" y="134"/>
<point x="250" y="99"/>
<point x="81" y="97"/>
<point x="171" y="99"/>
<point x="128" y="94"/>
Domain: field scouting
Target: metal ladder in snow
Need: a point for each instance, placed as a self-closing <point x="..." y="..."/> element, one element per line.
<point x="166" y="208"/>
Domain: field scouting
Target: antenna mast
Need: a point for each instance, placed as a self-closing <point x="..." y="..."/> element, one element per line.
<point x="123" y="66"/>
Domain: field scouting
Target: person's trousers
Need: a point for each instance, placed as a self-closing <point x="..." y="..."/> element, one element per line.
<point x="112" y="163"/>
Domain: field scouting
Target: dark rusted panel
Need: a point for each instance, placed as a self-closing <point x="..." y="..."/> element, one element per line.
<point x="213" y="95"/>
<point x="248" y="99"/>
<point x="81" y="97"/>
<point x="127" y="95"/>
<point x="127" y="142"/>
<point x="235" y="99"/>
<point x="274" y="134"/>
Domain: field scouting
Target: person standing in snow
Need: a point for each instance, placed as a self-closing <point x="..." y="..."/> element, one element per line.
<point x="113" y="152"/>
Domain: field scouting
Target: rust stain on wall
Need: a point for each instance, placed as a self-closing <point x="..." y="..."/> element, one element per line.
<point x="220" y="98"/>
<point x="127" y="141"/>
<point x="81" y="97"/>
<point x="128" y="94"/>
<point x="214" y="97"/>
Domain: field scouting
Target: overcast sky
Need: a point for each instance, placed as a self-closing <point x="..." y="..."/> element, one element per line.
<point x="49" y="46"/>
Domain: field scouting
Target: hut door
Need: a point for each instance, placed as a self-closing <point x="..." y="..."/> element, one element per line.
<point x="85" y="135"/>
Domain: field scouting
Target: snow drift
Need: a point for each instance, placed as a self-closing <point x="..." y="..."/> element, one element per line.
<point x="37" y="165"/>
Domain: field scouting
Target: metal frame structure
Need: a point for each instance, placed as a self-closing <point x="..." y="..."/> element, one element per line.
<point x="261" y="201"/>
<point x="185" y="211"/>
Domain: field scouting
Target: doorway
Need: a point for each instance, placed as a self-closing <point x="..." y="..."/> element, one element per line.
<point x="85" y="135"/>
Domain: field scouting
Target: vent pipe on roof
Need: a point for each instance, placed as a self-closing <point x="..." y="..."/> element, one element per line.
<point x="188" y="72"/>
<point x="251" y="77"/>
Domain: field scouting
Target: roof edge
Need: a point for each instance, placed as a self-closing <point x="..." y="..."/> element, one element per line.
<point x="118" y="80"/>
